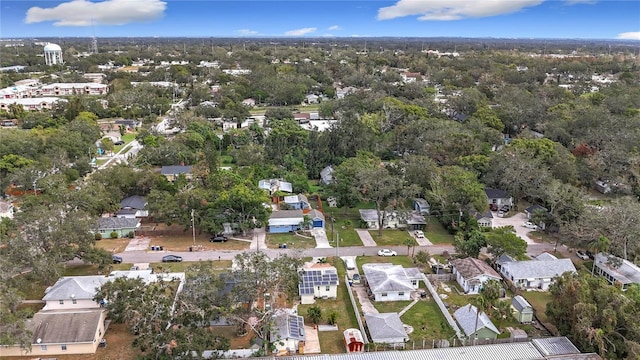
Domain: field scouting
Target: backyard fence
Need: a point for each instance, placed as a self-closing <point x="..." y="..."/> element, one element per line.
<point x="440" y="343"/>
<point x="441" y="277"/>
<point x="443" y="309"/>
<point x="355" y="310"/>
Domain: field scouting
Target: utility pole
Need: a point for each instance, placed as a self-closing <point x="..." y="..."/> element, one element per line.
<point x="193" y="225"/>
<point x="337" y="243"/>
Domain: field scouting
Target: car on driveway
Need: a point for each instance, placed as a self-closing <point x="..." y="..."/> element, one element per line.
<point x="419" y="234"/>
<point x="116" y="259"/>
<point x="355" y="279"/>
<point x="387" y="252"/>
<point x="119" y="142"/>
<point x="529" y="225"/>
<point x="171" y="258"/>
<point x="582" y="255"/>
<point x="217" y="238"/>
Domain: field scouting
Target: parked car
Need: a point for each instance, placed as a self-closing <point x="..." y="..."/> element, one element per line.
<point x="501" y="213"/>
<point x="217" y="238"/>
<point x="582" y="255"/>
<point x="355" y="279"/>
<point x="171" y="258"/>
<point x="116" y="259"/>
<point x="119" y="142"/>
<point x="529" y="225"/>
<point x="493" y="207"/>
<point x="387" y="252"/>
<point x="505" y="208"/>
<point x="590" y="255"/>
<point x="419" y="234"/>
<point x="349" y="263"/>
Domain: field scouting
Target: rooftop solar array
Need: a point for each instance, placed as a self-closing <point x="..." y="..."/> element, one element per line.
<point x="311" y="278"/>
<point x="296" y="326"/>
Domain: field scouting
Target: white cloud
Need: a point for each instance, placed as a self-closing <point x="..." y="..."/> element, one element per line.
<point x="453" y="10"/>
<point x="109" y="12"/>
<point x="632" y="35"/>
<point x="333" y="28"/>
<point x="301" y="32"/>
<point x="247" y="32"/>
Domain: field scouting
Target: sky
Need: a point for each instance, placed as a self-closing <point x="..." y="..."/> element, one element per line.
<point x="548" y="19"/>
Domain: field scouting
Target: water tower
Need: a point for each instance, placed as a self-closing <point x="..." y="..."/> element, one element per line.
<point x="53" y="54"/>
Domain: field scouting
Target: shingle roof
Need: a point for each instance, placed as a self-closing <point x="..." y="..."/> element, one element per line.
<point x="470" y="268"/>
<point x="466" y="317"/>
<point x="285" y="214"/>
<point x="133" y="202"/>
<point x="546" y="256"/>
<point x="109" y="223"/>
<point x="495" y="193"/>
<point x="81" y="287"/>
<point x="315" y="214"/>
<point x="538" y="268"/>
<point x="520" y="303"/>
<point x="533" y="208"/>
<point x="64" y="327"/>
<point x="385" y="327"/>
<point x="175" y="169"/>
<point x="389" y="277"/>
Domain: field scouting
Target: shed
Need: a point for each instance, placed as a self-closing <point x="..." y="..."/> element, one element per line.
<point x="353" y="340"/>
<point x="522" y="310"/>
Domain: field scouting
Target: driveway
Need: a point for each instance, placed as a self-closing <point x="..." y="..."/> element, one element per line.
<point x="366" y="238"/>
<point x="311" y="341"/>
<point x="322" y="242"/>
<point x="423" y="241"/>
<point x="138" y="244"/>
<point x="365" y="304"/>
<point x="515" y="221"/>
<point x="259" y="239"/>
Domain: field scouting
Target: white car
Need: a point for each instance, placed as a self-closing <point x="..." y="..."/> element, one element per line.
<point x="529" y="225"/>
<point x="387" y="252"/>
<point x="419" y="234"/>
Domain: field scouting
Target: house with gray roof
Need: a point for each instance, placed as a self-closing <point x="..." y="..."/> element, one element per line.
<point x="119" y="225"/>
<point x="133" y="207"/>
<point x="62" y="332"/>
<point x="287" y="332"/>
<point x="475" y="325"/>
<point x="389" y="282"/>
<point x="296" y="202"/>
<point x="522" y="310"/>
<point x="536" y="274"/>
<point x="386" y="328"/>
<point x="472" y="274"/>
<point x="411" y="220"/>
<point x="617" y="271"/>
<point x="498" y="197"/>
<point x="171" y="172"/>
<point x="317" y="218"/>
<point x="318" y="281"/>
<point x="73" y="292"/>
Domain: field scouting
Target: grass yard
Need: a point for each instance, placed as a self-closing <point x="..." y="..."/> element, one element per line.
<point x="182" y="242"/>
<point x="437" y="234"/>
<point x="427" y="321"/>
<point x="292" y="241"/>
<point x="405" y="261"/>
<point x="331" y="342"/>
<point x="348" y="237"/>
<point x="113" y="245"/>
<point x="390" y="237"/>
<point x="390" y="306"/>
<point x="539" y="300"/>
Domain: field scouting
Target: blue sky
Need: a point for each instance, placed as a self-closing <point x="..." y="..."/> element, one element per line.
<point x="587" y="19"/>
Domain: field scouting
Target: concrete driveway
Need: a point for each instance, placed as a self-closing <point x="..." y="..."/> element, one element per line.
<point x="515" y="221"/>
<point x="365" y="303"/>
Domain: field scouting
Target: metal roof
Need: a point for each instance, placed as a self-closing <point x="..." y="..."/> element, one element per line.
<point x="626" y="272"/>
<point x="388" y="277"/>
<point x="537" y="268"/>
<point x="520" y="303"/>
<point x="555" y="346"/>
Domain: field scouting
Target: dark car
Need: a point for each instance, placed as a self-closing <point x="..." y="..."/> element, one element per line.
<point x="217" y="238"/>
<point x="590" y="255"/>
<point x="493" y="207"/>
<point x="119" y="142"/>
<point x="505" y="208"/>
<point x="171" y="258"/>
<point x="116" y="259"/>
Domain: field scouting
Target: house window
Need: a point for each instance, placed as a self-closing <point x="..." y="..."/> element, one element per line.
<point x="63" y="346"/>
<point x="383" y="294"/>
<point x="74" y="301"/>
<point x="401" y="293"/>
<point x="414" y="282"/>
<point x="328" y="288"/>
<point x="43" y="347"/>
<point x="61" y="302"/>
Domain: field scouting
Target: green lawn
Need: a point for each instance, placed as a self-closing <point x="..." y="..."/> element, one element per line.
<point x="348" y="237"/>
<point x="331" y="342"/>
<point x="437" y="234"/>
<point x="390" y="237"/>
<point x="292" y="241"/>
<point x="427" y="321"/>
<point x="346" y="221"/>
<point x="390" y="306"/>
<point x="539" y="300"/>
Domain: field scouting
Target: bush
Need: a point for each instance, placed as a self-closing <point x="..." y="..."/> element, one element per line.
<point x="131" y="235"/>
<point x="98" y="236"/>
<point x="314" y="314"/>
<point x="114" y="234"/>
<point x="331" y="318"/>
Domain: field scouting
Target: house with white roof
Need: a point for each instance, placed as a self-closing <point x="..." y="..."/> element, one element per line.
<point x="283" y="221"/>
<point x="475" y="325"/>
<point x="535" y="274"/>
<point x="389" y="282"/>
<point x="617" y="271"/>
<point x="273" y="185"/>
<point x="318" y="281"/>
<point x="472" y="274"/>
<point x="296" y="202"/>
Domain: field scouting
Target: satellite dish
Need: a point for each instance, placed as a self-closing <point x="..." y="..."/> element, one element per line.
<point x="39" y="341"/>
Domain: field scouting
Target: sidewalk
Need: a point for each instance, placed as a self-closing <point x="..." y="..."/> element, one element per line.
<point x="366" y="238"/>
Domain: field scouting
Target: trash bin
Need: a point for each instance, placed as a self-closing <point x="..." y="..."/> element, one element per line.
<point x="284" y="246"/>
<point x="161" y="248"/>
<point x="153" y="248"/>
<point x="279" y="246"/>
<point x="190" y="248"/>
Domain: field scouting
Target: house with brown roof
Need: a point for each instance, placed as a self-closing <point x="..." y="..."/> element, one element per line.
<point x="473" y="273"/>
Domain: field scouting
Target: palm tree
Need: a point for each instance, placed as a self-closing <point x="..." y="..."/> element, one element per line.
<point x="411" y="243"/>
<point x="601" y="244"/>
